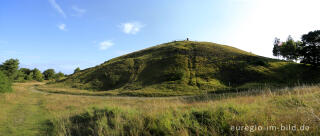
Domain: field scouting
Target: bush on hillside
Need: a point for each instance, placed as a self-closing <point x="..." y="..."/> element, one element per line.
<point x="77" y="70"/>
<point x="59" y="76"/>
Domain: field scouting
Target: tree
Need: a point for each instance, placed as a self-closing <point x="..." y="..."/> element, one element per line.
<point x="5" y="84"/>
<point x="25" y="70"/>
<point x="37" y="75"/>
<point x="20" y="76"/>
<point x="289" y="50"/>
<point x="10" y="68"/>
<point x="30" y="76"/>
<point x="77" y="70"/>
<point x="276" y="47"/>
<point x="24" y="74"/>
<point x="59" y="76"/>
<point x="310" y="51"/>
<point x="49" y="74"/>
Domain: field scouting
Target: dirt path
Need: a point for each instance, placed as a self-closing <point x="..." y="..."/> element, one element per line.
<point x="34" y="90"/>
<point x="28" y="111"/>
<point x="23" y="112"/>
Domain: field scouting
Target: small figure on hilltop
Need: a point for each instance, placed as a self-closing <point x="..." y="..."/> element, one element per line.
<point x="187" y="39"/>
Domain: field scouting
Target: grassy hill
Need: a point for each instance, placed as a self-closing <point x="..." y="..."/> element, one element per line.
<point x="189" y="67"/>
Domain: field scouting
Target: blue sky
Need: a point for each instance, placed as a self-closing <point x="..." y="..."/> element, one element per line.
<point x="65" y="34"/>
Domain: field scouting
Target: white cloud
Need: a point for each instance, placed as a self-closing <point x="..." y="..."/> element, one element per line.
<point x="62" y="27"/>
<point x="56" y="6"/>
<point x="78" y="11"/>
<point x="105" y="45"/>
<point x="131" y="27"/>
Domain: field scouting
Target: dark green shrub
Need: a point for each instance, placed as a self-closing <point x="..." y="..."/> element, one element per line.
<point x="87" y="123"/>
<point x="112" y="121"/>
<point x="10" y="68"/>
<point x="213" y="121"/>
<point x="259" y="63"/>
<point x="37" y="75"/>
<point x="59" y="76"/>
<point x="77" y="70"/>
<point x="5" y="84"/>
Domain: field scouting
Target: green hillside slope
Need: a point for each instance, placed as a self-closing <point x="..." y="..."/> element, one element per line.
<point x="191" y="67"/>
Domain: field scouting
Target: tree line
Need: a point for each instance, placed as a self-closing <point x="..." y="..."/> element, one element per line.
<point x="10" y="72"/>
<point x="306" y="51"/>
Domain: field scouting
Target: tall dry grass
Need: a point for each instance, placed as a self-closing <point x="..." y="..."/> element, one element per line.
<point x="213" y="114"/>
<point x="200" y="115"/>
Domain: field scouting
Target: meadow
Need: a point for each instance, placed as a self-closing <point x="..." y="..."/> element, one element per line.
<point x="26" y="111"/>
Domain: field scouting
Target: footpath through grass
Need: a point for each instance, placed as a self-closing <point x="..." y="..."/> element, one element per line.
<point x="24" y="112"/>
<point x="27" y="113"/>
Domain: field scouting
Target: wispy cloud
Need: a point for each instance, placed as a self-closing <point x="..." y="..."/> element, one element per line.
<point x="62" y="27"/>
<point x="57" y="7"/>
<point x="105" y="45"/>
<point x="131" y="27"/>
<point x="78" y="11"/>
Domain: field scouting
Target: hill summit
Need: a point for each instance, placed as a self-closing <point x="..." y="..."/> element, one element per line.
<point x="185" y="66"/>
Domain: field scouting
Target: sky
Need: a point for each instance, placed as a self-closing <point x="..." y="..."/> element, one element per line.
<point x="65" y="34"/>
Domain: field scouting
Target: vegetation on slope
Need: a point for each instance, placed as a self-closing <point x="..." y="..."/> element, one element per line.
<point x="188" y="66"/>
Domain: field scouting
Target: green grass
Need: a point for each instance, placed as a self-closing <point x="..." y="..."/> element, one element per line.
<point x="147" y="92"/>
<point x="205" y="115"/>
<point x="25" y="112"/>
<point x="22" y="113"/>
<point x="187" y="67"/>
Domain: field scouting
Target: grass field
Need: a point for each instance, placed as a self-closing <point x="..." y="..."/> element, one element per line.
<point x="26" y="112"/>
